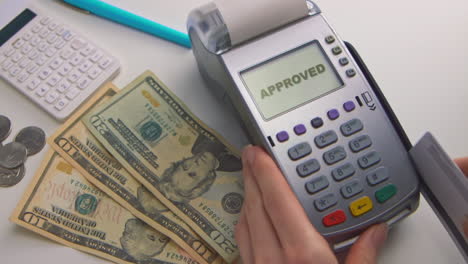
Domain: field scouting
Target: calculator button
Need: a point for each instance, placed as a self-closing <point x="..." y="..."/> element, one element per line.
<point x="44" y="33"/>
<point x="60" y="43"/>
<point x="33" y="54"/>
<point x="36" y="28"/>
<point x="61" y="104"/>
<point x="74" y="75"/>
<point x="325" y="139"/>
<point x="316" y="122"/>
<point x="24" y="63"/>
<point x="385" y="193"/>
<point x="96" y="56"/>
<point x="45" y="20"/>
<point x="63" y="86"/>
<point x="333" y="114"/>
<point x="33" y="83"/>
<point x="344" y="61"/>
<point x="337" y="50"/>
<point x="308" y="167"/>
<point x="17" y="57"/>
<point x="334" y="218"/>
<point x="8" y="52"/>
<point x="368" y="160"/>
<point x="349" y="106"/>
<point x="53" y="25"/>
<point x="330" y="39"/>
<point x="94" y="72"/>
<point x="72" y="93"/>
<point x="50" y="52"/>
<point x="51" y="97"/>
<point x="361" y="206"/>
<point x="282" y="136"/>
<point x="68" y="35"/>
<point x="26" y="48"/>
<point x="300" y="129"/>
<point x="54" y="79"/>
<point x="66" y="54"/>
<point x="360" y="143"/>
<point x="42" y="90"/>
<point x="52" y="38"/>
<point x="41" y="60"/>
<point x="32" y="68"/>
<point x="34" y="41"/>
<point x="6" y="65"/>
<point x="85" y="66"/>
<point x="15" y="71"/>
<point x="325" y="202"/>
<point x="299" y="151"/>
<point x="350" y="73"/>
<point x="23" y="77"/>
<point x="78" y="43"/>
<point x="88" y="50"/>
<point x="342" y="172"/>
<point x="18" y="43"/>
<point x="56" y="63"/>
<point x="2" y="58"/>
<point x="65" y="69"/>
<point x="334" y="155"/>
<point x="83" y="82"/>
<point x="316" y="184"/>
<point x="46" y="72"/>
<point x="351" y="127"/>
<point x="42" y="46"/>
<point x="351" y="189"/>
<point x="60" y="30"/>
<point x="377" y="176"/>
<point x="77" y="59"/>
<point x="105" y="62"/>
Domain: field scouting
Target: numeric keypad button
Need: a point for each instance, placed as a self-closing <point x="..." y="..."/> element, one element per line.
<point x="306" y="168"/>
<point x="360" y="143"/>
<point x="325" y="139"/>
<point x="317" y="184"/>
<point x="334" y="155"/>
<point x="351" y="189"/>
<point x="342" y="172"/>
<point x="351" y="127"/>
<point x="299" y="151"/>
<point x="369" y="160"/>
<point x="377" y="176"/>
<point x="325" y="202"/>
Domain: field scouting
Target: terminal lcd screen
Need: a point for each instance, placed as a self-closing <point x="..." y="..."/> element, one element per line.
<point x="291" y="80"/>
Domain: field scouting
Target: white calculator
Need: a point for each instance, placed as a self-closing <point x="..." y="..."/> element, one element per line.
<point x="48" y="61"/>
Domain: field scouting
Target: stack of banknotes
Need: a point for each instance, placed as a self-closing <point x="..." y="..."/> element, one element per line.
<point x="135" y="177"/>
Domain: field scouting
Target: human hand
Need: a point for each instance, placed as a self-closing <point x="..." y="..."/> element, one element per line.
<point x="463" y="164"/>
<point x="274" y="229"/>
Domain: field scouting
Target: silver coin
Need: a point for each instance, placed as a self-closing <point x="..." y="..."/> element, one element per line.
<point x="10" y="177"/>
<point x="33" y="138"/>
<point x="5" y="127"/>
<point x="12" y="155"/>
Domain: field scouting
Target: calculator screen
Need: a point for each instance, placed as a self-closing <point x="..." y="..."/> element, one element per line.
<point x="291" y="79"/>
<point x="16" y="25"/>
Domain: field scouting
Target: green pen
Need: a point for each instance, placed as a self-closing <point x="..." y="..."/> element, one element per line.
<point x="124" y="17"/>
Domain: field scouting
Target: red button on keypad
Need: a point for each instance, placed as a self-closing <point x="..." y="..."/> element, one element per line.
<point x="334" y="218"/>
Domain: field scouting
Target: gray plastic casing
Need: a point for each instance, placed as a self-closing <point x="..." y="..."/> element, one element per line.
<point x="220" y="64"/>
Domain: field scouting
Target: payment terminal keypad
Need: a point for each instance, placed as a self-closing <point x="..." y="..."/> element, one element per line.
<point x="352" y="164"/>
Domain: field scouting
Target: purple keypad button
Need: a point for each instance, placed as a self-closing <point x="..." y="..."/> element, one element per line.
<point x="300" y="129"/>
<point x="333" y="114"/>
<point x="282" y="136"/>
<point x="349" y="106"/>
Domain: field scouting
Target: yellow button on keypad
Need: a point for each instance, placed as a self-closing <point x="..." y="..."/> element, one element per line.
<point x="361" y="206"/>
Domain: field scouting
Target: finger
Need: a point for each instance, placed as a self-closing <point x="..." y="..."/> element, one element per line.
<point x="265" y="244"/>
<point x="463" y="164"/>
<point x="242" y="236"/>
<point x="287" y="215"/>
<point x="366" y="248"/>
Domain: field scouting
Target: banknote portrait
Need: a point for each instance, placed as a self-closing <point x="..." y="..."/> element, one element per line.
<point x="141" y="241"/>
<point x="191" y="177"/>
<point x="149" y="202"/>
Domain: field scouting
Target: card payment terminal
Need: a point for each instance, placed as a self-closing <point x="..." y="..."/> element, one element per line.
<point x="309" y="100"/>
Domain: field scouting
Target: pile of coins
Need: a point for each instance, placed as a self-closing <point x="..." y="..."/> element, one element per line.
<point x="29" y="141"/>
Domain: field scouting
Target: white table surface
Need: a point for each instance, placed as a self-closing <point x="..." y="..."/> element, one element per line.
<point x="416" y="51"/>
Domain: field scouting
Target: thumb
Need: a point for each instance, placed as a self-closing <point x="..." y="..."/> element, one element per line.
<point x="366" y="248"/>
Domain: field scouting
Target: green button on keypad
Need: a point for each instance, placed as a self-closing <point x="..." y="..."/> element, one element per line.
<point x="385" y="193"/>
